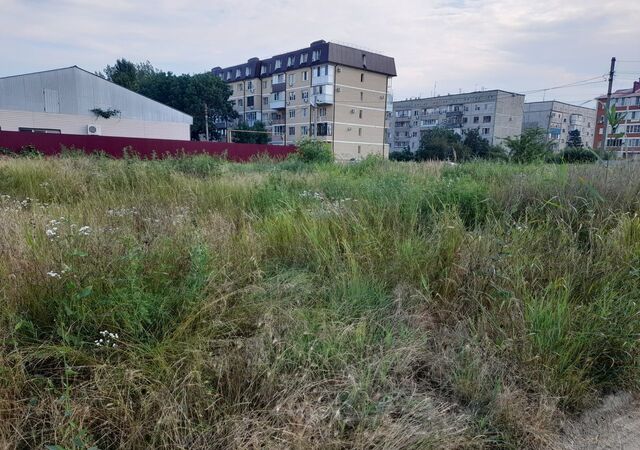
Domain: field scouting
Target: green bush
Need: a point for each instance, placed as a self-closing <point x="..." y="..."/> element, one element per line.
<point x="313" y="151"/>
<point x="575" y="155"/>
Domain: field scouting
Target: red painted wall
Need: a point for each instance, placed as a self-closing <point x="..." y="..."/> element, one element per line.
<point x="52" y="144"/>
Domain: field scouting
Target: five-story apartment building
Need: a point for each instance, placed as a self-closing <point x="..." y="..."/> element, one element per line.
<point x="557" y="119"/>
<point x="496" y="114"/>
<point x="331" y="92"/>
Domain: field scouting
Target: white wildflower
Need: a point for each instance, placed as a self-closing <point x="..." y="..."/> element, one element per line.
<point x="53" y="274"/>
<point x="84" y="231"/>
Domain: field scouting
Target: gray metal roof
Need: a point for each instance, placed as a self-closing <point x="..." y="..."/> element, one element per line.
<point x="72" y="90"/>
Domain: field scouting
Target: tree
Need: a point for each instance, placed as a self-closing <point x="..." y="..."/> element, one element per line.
<point x="402" y="155"/>
<point x="186" y="93"/>
<point x="441" y="144"/>
<point x="574" y="140"/>
<point x="257" y="134"/>
<point x="530" y="146"/>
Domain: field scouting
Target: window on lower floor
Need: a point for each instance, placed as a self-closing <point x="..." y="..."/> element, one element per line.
<point x="324" y="129"/>
<point x="39" y="130"/>
<point x="292" y="131"/>
<point x="485" y="131"/>
<point x="486" y="119"/>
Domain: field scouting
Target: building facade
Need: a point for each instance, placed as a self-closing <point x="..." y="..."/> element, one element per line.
<point x="627" y="104"/>
<point x="331" y="92"/>
<point x="558" y="119"/>
<point x="62" y="100"/>
<point x="496" y="114"/>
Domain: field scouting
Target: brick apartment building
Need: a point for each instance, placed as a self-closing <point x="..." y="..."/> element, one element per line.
<point x="627" y="102"/>
<point x="327" y="91"/>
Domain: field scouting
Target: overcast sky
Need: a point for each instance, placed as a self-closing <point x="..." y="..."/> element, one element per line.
<point x="516" y="45"/>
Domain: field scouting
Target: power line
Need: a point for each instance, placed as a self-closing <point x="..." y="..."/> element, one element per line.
<point x="601" y="79"/>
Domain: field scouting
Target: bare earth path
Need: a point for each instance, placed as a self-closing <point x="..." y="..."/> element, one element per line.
<point x="613" y="425"/>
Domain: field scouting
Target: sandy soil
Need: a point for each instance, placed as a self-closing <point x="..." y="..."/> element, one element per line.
<point x="613" y="425"/>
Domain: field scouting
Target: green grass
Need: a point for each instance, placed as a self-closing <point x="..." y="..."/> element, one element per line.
<point x="289" y="305"/>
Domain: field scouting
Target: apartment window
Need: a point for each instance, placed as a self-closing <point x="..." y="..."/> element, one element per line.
<point x="359" y="131"/>
<point x="240" y="102"/>
<point x="240" y="87"/>
<point x="278" y="95"/>
<point x="291" y="60"/>
<point x="477" y="107"/>
<point x="275" y="116"/>
<point x="318" y="90"/>
<point x="324" y="129"/>
<point x="278" y="78"/>
<point x="292" y="79"/>
<point x="322" y="112"/>
<point x="251" y="117"/>
<point x="305" y="75"/>
<point x="247" y="71"/>
<point x="429" y="122"/>
<point x="229" y="75"/>
<point x="634" y="115"/>
<point x="637" y="101"/>
<point x="486" y="119"/>
<point x="238" y="73"/>
<point x="476" y="119"/>
<point x="633" y="128"/>
<point x="278" y="129"/>
<point x="305" y="96"/>
<point x="465" y="119"/>
<point x="265" y="84"/>
<point x="278" y="64"/>
<point x="485" y="131"/>
<point x="292" y="113"/>
<point x="315" y="55"/>
<point x="304" y="112"/>
<point x="250" y="101"/>
<point x="249" y="84"/>
<point x="304" y="130"/>
<point x="359" y="149"/>
<point x="265" y="100"/>
<point x="263" y="70"/>
<point x="414" y="134"/>
<point x="292" y="95"/>
<point x="303" y="58"/>
<point x="364" y="60"/>
<point x="360" y="114"/>
<point x="292" y="131"/>
<point x="362" y="78"/>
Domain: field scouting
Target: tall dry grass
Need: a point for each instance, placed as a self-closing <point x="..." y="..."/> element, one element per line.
<point x="285" y="305"/>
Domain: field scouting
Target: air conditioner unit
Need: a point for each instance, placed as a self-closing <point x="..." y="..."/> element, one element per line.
<point x="353" y="111"/>
<point x="338" y="70"/>
<point x="349" y="129"/>
<point x="338" y="89"/>
<point x="288" y="103"/>
<point x="94" y="129"/>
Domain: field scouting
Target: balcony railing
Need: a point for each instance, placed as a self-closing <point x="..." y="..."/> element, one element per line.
<point x="276" y="104"/>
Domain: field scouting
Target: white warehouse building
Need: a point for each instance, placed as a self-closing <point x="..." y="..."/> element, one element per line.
<point x="74" y="101"/>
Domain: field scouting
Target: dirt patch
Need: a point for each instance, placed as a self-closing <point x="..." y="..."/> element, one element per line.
<point x="613" y="425"/>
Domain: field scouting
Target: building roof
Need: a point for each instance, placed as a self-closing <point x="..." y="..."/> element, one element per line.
<point x="629" y="92"/>
<point x="78" y="91"/>
<point x="449" y="98"/>
<point x="551" y="102"/>
<point x="318" y="52"/>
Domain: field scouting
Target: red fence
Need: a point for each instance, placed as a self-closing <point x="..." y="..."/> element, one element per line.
<point x="53" y="144"/>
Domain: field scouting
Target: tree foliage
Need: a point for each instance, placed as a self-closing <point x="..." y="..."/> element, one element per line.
<point x="441" y="144"/>
<point x="186" y="93"/>
<point x="257" y="134"/>
<point x="574" y="140"/>
<point x="530" y="146"/>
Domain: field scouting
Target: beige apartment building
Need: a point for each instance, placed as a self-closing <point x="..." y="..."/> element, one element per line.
<point x="327" y="91"/>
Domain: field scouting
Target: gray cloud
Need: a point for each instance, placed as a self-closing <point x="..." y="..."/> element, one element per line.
<point x="516" y="45"/>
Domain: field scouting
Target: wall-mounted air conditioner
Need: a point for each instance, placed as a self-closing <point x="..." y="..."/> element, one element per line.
<point x="306" y="100"/>
<point x="338" y="89"/>
<point x="94" y="129"/>
<point x="353" y="111"/>
<point x="338" y="69"/>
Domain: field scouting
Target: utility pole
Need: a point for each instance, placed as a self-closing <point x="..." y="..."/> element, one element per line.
<point x="206" y="121"/>
<point x="607" y="106"/>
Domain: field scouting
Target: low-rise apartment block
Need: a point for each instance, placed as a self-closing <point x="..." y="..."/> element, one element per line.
<point x="496" y="114"/>
<point x="627" y="103"/>
<point x="327" y="91"/>
<point x="558" y="119"/>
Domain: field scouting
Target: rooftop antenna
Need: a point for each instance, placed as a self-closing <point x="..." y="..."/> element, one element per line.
<point x="435" y="83"/>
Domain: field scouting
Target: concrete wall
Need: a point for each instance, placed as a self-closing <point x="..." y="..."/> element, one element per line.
<point x="556" y="119"/>
<point x="77" y="124"/>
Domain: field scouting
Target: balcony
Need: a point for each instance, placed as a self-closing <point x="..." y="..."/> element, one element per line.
<point x="322" y="99"/>
<point x="276" y="104"/>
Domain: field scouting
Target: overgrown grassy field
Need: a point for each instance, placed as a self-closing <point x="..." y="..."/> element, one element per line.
<point x="199" y="304"/>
